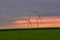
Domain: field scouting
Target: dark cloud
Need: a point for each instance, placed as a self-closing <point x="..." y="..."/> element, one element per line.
<point x="14" y="8"/>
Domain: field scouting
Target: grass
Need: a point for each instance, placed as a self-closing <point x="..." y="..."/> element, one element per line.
<point x="30" y="34"/>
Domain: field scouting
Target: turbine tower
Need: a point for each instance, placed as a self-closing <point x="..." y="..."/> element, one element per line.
<point x="37" y="12"/>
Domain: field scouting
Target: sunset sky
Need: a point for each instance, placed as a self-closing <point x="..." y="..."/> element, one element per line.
<point x="13" y="13"/>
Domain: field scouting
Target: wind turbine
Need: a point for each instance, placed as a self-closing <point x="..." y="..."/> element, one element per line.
<point x="38" y="15"/>
<point x="28" y="19"/>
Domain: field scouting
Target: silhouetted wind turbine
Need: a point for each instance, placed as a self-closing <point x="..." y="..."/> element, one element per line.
<point x="28" y="19"/>
<point x="38" y="15"/>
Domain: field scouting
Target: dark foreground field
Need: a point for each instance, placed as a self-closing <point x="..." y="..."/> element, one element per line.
<point x="30" y="34"/>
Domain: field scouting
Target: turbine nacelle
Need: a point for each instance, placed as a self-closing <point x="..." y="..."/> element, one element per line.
<point x="35" y="11"/>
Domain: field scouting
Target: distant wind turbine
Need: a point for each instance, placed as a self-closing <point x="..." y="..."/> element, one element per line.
<point x="38" y="15"/>
<point x="28" y="19"/>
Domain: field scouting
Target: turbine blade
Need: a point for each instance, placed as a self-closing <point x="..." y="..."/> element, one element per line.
<point x="29" y="19"/>
<point x="33" y="11"/>
<point x="29" y="22"/>
<point x="39" y="16"/>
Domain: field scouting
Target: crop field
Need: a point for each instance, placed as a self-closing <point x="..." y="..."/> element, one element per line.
<point x="30" y="34"/>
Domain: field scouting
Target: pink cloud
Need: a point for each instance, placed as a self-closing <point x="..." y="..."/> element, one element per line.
<point x="44" y="22"/>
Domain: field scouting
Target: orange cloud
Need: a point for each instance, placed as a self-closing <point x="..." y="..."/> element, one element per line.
<point x="44" y="22"/>
<point x="43" y="19"/>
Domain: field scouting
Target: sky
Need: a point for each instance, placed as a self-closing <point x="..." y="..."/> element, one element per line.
<point x="12" y="10"/>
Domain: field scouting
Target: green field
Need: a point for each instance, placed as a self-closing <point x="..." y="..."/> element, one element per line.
<point x="30" y="34"/>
